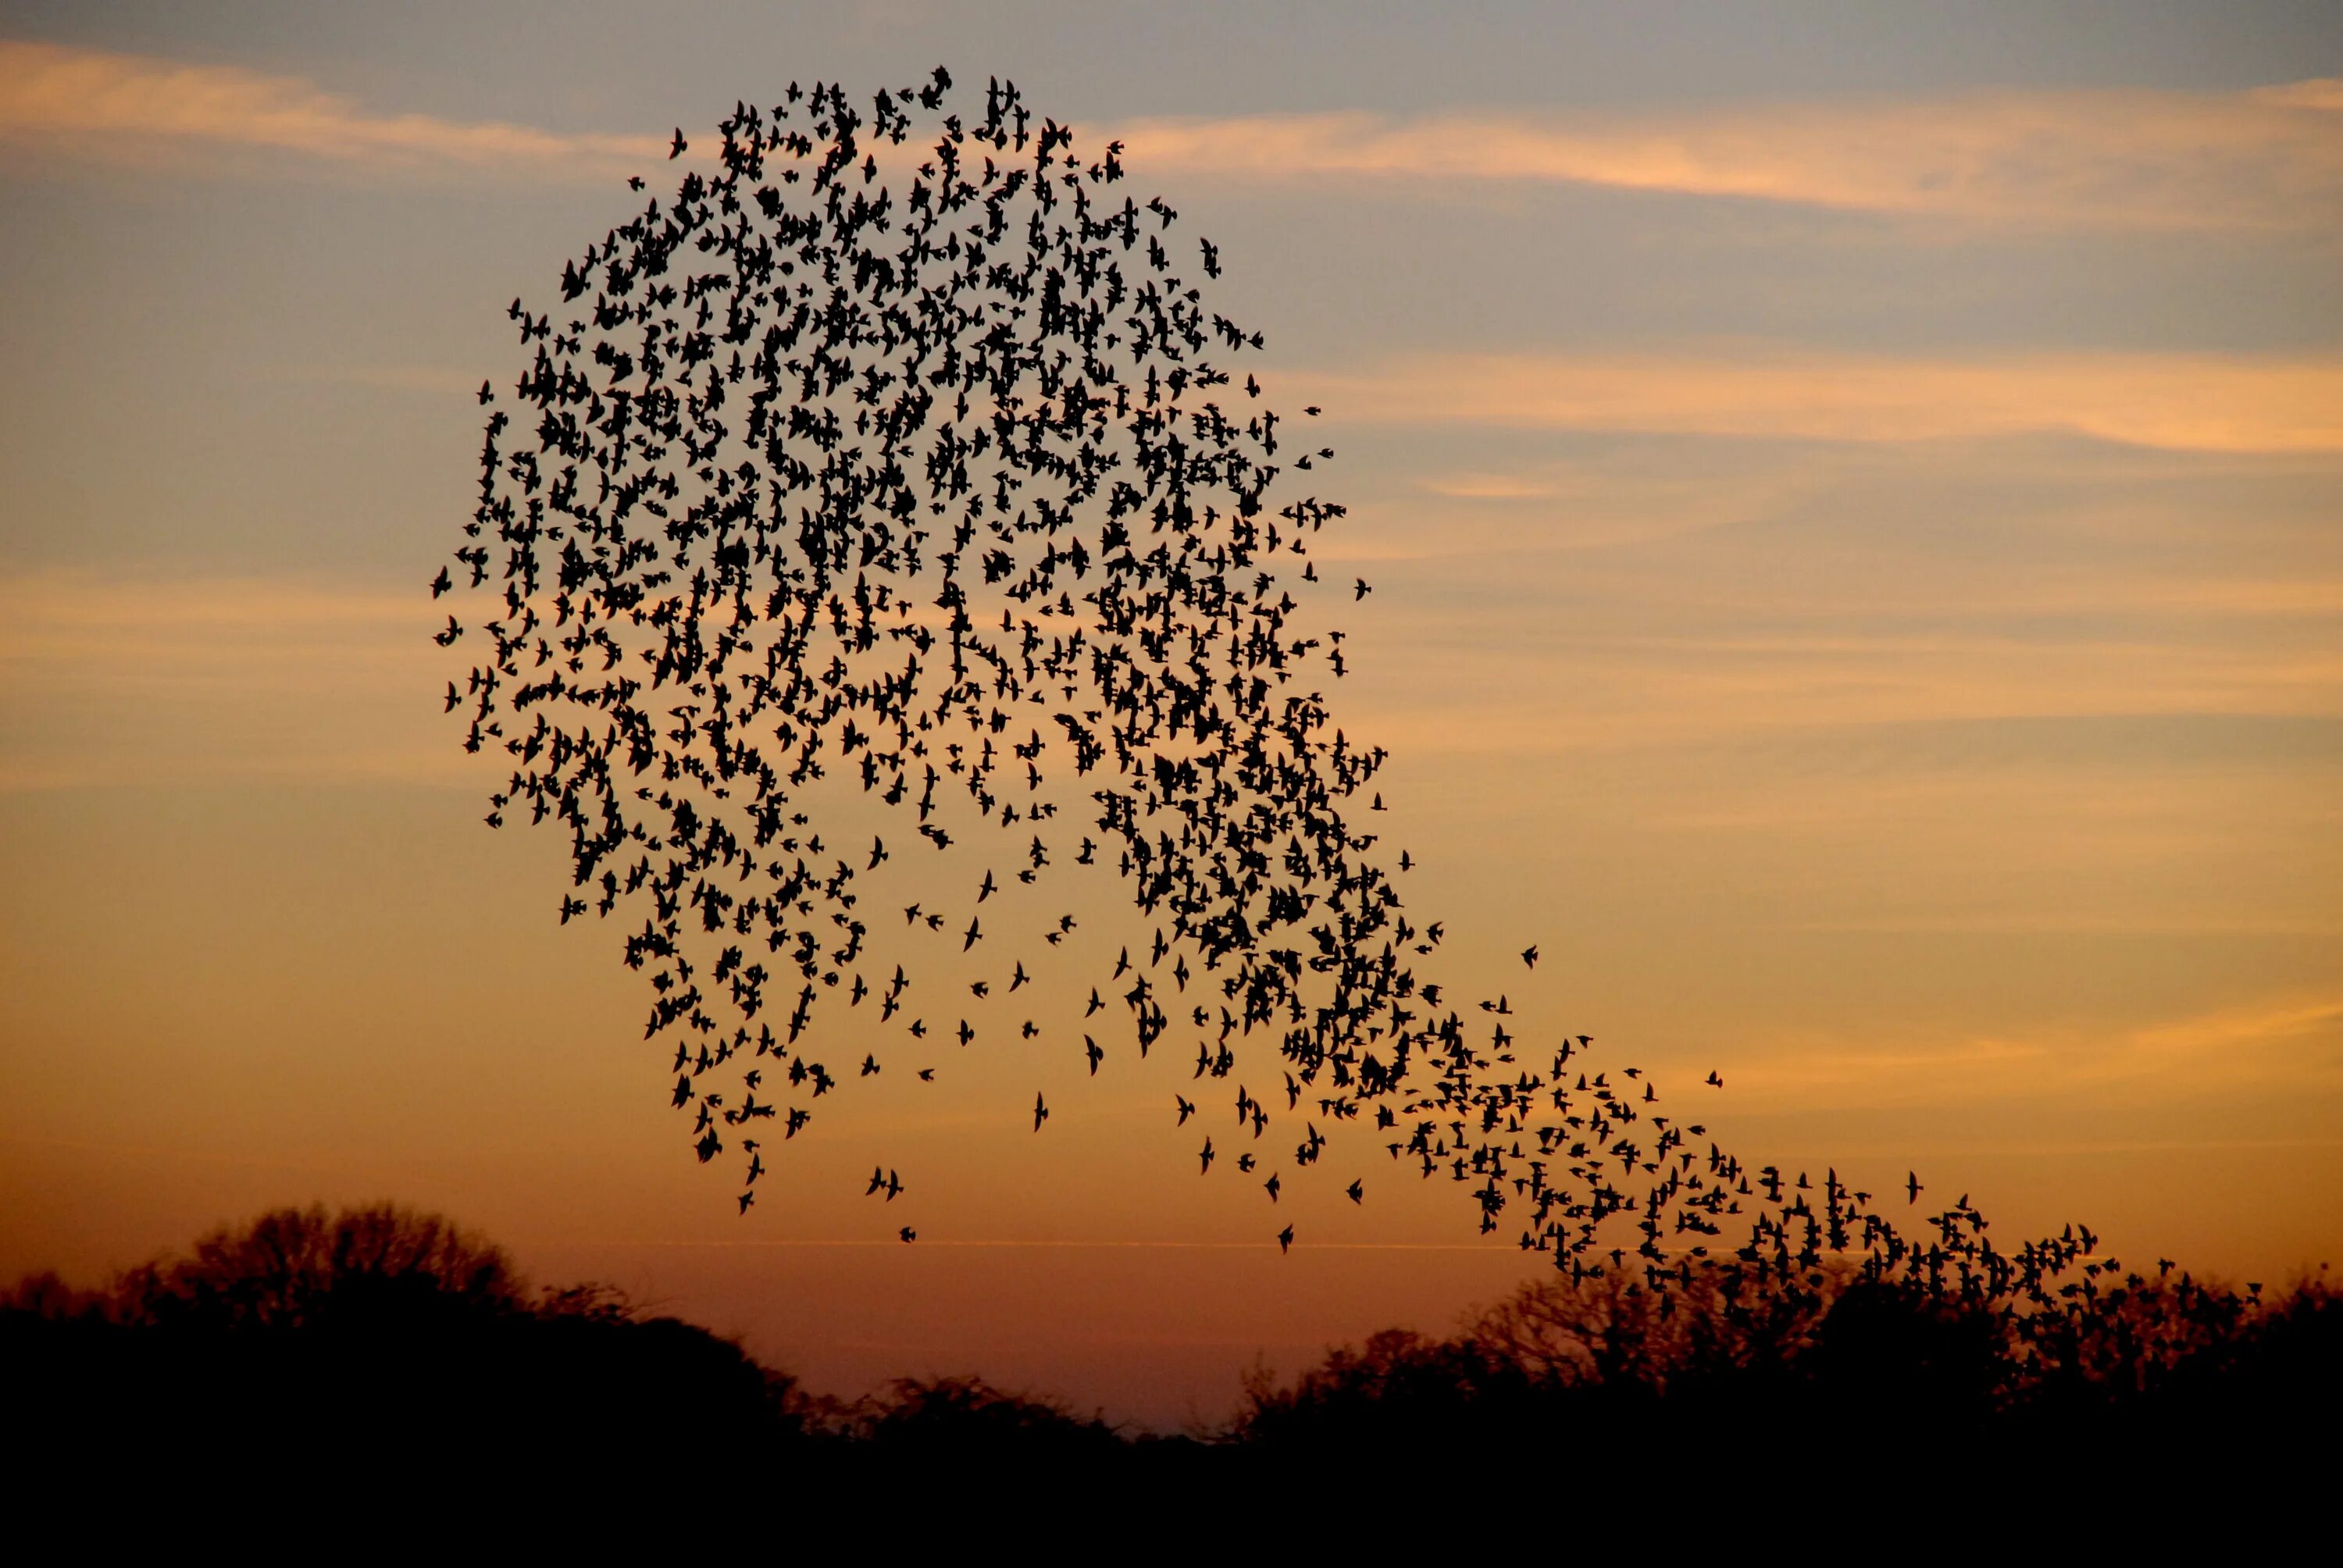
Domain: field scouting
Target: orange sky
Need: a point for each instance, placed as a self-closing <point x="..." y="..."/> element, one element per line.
<point x="1859" y="582"/>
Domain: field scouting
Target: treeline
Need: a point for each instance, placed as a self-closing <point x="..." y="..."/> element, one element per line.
<point x="380" y="1333"/>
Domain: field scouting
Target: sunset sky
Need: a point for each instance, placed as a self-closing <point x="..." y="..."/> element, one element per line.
<point x="1855" y="497"/>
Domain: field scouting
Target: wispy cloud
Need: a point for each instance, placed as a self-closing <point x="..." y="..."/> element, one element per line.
<point x="112" y="680"/>
<point x="2275" y="1026"/>
<point x="2298" y="1041"/>
<point x="2268" y="159"/>
<point x="2181" y="402"/>
<point x="130" y="108"/>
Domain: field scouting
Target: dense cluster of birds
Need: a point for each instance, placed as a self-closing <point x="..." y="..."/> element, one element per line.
<point x="922" y="470"/>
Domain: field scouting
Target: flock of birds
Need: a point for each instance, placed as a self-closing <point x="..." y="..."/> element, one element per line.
<point x="917" y="470"/>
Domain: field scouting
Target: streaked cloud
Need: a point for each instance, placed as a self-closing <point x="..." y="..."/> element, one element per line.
<point x="2267" y="1025"/>
<point x="1603" y="694"/>
<point x="2293" y="1040"/>
<point x="79" y="615"/>
<point x="2267" y="159"/>
<point x="1486" y="487"/>
<point x="2181" y="402"/>
<point x="146" y="679"/>
<point x="135" y="108"/>
<point x="1566" y="504"/>
<point x="2271" y="157"/>
<point x="2318" y="92"/>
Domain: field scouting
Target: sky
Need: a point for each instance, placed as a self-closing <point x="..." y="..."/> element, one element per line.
<point x="1854" y="494"/>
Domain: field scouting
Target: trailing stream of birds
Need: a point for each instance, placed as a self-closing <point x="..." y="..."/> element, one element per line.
<point x="921" y="475"/>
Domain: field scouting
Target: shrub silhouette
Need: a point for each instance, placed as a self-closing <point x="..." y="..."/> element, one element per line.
<point x="379" y="1333"/>
<point x="1608" y="1372"/>
<point x="296" y="1269"/>
<point x="966" y="1415"/>
<point x="1397" y="1388"/>
<point x="376" y="1331"/>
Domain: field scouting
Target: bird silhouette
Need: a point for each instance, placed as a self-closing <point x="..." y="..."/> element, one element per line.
<point x="936" y="482"/>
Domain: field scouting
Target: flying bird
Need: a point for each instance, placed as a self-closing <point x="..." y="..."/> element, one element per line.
<point x="927" y="485"/>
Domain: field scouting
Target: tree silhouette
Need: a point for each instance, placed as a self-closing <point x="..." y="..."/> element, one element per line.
<point x="295" y="1267"/>
<point x="375" y="1342"/>
<point x="1625" y="1385"/>
<point x="322" y="1337"/>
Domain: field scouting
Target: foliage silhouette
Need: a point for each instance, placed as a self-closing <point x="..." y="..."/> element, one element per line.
<point x="370" y="1332"/>
<point x="379" y="1334"/>
<point x="966" y="1415"/>
<point x="2147" y="1371"/>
